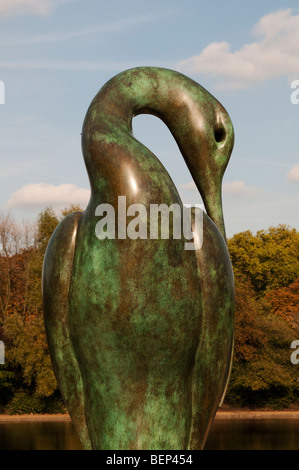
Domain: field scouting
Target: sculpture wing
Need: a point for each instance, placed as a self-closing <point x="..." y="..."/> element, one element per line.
<point x="57" y="272"/>
<point x="215" y="348"/>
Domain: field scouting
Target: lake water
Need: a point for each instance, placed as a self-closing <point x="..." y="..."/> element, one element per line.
<point x="238" y="434"/>
<point x="254" y="434"/>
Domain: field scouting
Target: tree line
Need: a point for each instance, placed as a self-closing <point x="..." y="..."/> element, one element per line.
<point x="27" y="381"/>
<point x="266" y="268"/>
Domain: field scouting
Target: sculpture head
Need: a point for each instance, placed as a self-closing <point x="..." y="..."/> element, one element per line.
<point x="206" y="141"/>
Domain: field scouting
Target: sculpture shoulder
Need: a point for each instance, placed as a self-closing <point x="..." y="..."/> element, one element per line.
<point x="59" y="255"/>
<point x="57" y="273"/>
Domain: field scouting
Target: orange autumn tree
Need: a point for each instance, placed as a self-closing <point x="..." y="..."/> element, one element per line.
<point x="262" y="373"/>
<point x="285" y="303"/>
<point x="27" y="378"/>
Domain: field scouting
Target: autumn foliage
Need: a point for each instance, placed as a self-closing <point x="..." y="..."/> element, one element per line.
<point x="27" y="381"/>
<point x="266" y="267"/>
<point x="285" y="303"/>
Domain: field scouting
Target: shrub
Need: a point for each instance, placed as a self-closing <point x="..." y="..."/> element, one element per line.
<point x="27" y="403"/>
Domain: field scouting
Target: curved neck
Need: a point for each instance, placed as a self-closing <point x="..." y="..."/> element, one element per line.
<point x="169" y="95"/>
<point x="198" y="122"/>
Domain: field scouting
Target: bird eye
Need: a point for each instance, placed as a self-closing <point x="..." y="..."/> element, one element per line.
<point x="219" y="134"/>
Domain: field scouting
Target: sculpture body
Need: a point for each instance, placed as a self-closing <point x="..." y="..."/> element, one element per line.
<point x="141" y="331"/>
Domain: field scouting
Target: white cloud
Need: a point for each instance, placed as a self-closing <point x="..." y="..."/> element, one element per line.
<point x="239" y="188"/>
<point x="31" y="7"/>
<point x="275" y="53"/>
<point x="293" y="174"/>
<point x="188" y="186"/>
<point x="41" y="195"/>
<point x="16" y="7"/>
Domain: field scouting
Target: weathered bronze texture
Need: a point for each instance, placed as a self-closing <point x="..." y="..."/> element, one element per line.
<point x="141" y="331"/>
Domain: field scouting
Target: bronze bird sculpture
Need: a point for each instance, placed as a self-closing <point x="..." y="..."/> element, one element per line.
<point x="140" y="331"/>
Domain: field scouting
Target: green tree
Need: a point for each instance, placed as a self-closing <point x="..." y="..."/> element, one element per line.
<point x="27" y="353"/>
<point x="269" y="259"/>
<point x="47" y="221"/>
<point x="70" y="209"/>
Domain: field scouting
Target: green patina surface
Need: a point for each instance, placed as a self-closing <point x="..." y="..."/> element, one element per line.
<point x="141" y="331"/>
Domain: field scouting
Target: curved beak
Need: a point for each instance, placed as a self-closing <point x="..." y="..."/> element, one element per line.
<point x="212" y="193"/>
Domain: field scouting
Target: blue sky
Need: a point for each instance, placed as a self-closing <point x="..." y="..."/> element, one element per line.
<point x="56" y="54"/>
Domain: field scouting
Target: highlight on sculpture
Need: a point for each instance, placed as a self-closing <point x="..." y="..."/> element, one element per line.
<point x="140" y="331"/>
